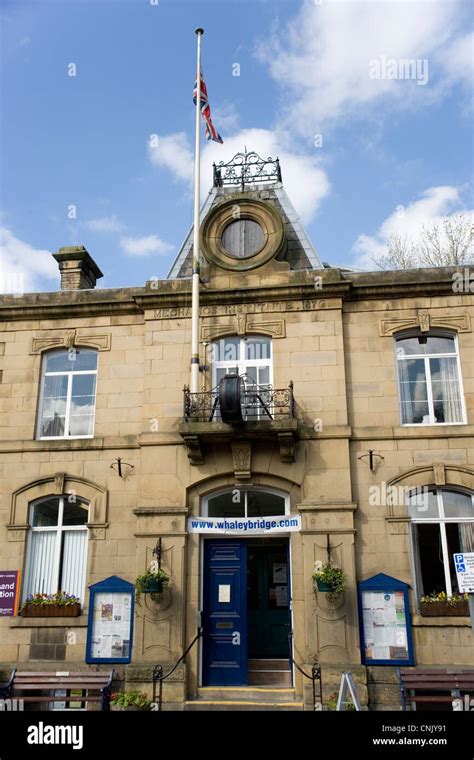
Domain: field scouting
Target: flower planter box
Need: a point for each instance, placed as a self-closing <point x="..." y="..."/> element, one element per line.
<point x="51" y="610"/>
<point x="443" y="609"/>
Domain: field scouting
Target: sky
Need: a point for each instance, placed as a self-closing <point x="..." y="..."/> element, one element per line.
<point x="97" y="135"/>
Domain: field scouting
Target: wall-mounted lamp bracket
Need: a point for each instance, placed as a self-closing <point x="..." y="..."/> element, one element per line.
<point x="119" y="464"/>
<point x="372" y="456"/>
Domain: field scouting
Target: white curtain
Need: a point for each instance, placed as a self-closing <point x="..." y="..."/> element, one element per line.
<point x="466" y="536"/>
<point x="74" y="562"/>
<point x="448" y="377"/>
<point x="40" y="570"/>
<point x="405" y="392"/>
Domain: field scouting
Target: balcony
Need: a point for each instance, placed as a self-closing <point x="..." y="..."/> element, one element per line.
<point x="266" y="413"/>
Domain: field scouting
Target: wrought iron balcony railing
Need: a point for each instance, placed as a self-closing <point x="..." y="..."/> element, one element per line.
<point x="258" y="402"/>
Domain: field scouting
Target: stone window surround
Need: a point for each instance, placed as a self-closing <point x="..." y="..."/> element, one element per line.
<point x="222" y="482"/>
<point x="217" y="220"/>
<point x="437" y="474"/>
<point x="441" y="476"/>
<point x="425" y="320"/>
<point x="69" y="339"/>
<point x="432" y="332"/>
<point x="66" y="339"/>
<point x="18" y="527"/>
<point x="57" y="485"/>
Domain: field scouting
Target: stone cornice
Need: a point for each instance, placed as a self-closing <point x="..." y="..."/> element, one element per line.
<point x="80" y="444"/>
<point x="335" y="283"/>
<point x="445" y="432"/>
<point x="67" y="304"/>
<point x="402" y="283"/>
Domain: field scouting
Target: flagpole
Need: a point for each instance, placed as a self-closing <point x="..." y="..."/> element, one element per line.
<point x="197" y="183"/>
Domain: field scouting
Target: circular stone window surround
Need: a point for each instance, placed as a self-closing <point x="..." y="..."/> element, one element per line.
<point x="217" y="220"/>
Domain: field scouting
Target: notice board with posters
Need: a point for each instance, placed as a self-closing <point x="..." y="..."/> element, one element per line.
<point x="110" y="624"/>
<point x="385" y="621"/>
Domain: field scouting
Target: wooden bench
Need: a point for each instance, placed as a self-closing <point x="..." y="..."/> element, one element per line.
<point x="94" y="686"/>
<point x="455" y="682"/>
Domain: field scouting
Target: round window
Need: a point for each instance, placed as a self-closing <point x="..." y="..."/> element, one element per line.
<point x="242" y="238"/>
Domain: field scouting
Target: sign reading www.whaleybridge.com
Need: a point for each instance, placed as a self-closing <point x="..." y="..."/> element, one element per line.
<point x="244" y="525"/>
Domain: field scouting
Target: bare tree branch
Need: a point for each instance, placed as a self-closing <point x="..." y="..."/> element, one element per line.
<point x="450" y="243"/>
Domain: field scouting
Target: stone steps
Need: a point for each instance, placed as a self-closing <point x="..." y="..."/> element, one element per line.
<point x="274" y="672"/>
<point x="244" y="698"/>
<point x="242" y="706"/>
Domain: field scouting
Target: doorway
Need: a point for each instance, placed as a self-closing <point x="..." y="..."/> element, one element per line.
<point x="246" y="615"/>
<point x="267" y="599"/>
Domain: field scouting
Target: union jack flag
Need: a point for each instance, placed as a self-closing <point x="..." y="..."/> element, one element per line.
<point x="211" y="131"/>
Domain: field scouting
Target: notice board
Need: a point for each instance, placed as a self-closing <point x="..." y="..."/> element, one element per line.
<point x="385" y="621"/>
<point x="110" y="624"/>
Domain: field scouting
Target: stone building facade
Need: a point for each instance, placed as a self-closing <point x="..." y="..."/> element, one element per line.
<point x="332" y="342"/>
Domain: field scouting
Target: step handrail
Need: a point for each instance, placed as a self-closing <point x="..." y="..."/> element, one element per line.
<point x="315" y="675"/>
<point x="159" y="676"/>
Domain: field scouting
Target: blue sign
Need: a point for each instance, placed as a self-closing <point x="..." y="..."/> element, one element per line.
<point x="110" y="624"/>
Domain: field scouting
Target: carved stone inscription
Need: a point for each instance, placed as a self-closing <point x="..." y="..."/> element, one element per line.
<point x="224" y="310"/>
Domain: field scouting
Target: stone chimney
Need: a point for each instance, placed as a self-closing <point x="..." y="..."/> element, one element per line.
<point x="78" y="269"/>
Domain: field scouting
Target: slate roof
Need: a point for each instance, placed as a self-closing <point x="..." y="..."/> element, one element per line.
<point x="298" y="251"/>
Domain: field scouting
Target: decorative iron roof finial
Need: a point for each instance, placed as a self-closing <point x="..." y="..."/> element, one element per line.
<point x="247" y="168"/>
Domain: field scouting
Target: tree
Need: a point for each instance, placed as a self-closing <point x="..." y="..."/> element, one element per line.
<point x="439" y="245"/>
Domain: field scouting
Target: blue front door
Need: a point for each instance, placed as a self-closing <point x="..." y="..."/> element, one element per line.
<point x="225" y="613"/>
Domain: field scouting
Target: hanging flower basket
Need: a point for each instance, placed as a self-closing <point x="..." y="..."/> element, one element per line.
<point x="51" y="605"/>
<point x="151" y="583"/>
<point x="330" y="580"/>
<point x="153" y="586"/>
<point x="323" y="586"/>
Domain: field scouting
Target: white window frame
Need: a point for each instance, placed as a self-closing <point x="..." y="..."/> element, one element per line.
<point x="273" y="491"/>
<point x="441" y="520"/>
<point x="70" y="374"/>
<point x="243" y="364"/>
<point x="59" y="529"/>
<point x="427" y="357"/>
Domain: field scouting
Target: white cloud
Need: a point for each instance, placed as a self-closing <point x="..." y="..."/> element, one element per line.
<point x="144" y="246"/>
<point x="173" y="153"/>
<point x="321" y="60"/>
<point x="106" y="224"/>
<point x="306" y="195"/>
<point x="24" y="268"/>
<point x="432" y="207"/>
<point x="457" y="60"/>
